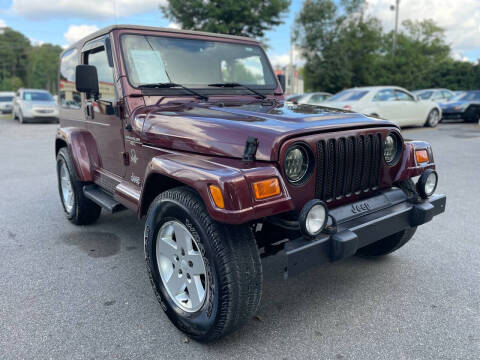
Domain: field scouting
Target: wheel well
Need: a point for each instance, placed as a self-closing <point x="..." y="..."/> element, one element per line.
<point x="59" y="143"/>
<point x="156" y="184"/>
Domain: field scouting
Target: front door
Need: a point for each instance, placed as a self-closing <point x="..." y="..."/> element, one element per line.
<point x="102" y="121"/>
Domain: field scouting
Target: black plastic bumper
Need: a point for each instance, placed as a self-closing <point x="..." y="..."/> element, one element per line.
<point x="358" y="225"/>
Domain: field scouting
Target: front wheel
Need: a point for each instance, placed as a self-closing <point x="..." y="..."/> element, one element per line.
<point x="433" y="118"/>
<point x="206" y="275"/>
<point x="387" y="245"/>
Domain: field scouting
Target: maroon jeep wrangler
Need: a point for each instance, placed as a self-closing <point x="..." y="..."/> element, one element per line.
<point x="191" y="130"/>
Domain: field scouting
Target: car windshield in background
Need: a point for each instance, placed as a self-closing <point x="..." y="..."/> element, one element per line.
<point x="194" y="63"/>
<point x="349" y="95"/>
<point x="37" y="96"/>
<point x="469" y="96"/>
<point x="424" y="95"/>
<point x="6" y="98"/>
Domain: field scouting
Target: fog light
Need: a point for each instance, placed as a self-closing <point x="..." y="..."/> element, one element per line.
<point x="427" y="183"/>
<point x="313" y="218"/>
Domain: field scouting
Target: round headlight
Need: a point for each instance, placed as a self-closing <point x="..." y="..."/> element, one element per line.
<point x="313" y="218"/>
<point x="316" y="219"/>
<point x="296" y="163"/>
<point x="391" y="149"/>
<point x="427" y="183"/>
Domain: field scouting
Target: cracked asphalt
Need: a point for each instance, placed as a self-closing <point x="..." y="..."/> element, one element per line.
<point x="69" y="292"/>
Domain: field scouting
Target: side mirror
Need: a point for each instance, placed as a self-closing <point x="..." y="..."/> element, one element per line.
<point x="86" y="79"/>
<point x="281" y="79"/>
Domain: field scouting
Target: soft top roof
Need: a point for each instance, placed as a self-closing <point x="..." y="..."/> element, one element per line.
<point x="110" y="28"/>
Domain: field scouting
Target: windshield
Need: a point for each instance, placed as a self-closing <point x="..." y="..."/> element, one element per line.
<point x="6" y="98"/>
<point x="349" y="95"/>
<point x="194" y="63"/>
<point x="37" y="96"/>
<point x="469" y="96"/>
<point x="424" y="95"/>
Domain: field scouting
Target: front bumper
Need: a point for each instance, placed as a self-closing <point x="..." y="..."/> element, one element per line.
<point x="452" y="114"/>
<point x="381" y="216"/>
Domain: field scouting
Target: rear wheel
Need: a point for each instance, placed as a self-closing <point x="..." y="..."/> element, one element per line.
<point x="387" y="245"/>
<point x="433" y="118"/>
<point x="79" y="209"/>
<point x="206" y="275"/>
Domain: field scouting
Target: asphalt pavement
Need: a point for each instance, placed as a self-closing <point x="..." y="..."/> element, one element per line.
<point x="69" y="292"/>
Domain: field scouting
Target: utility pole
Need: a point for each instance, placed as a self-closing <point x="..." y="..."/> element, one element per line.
<point x="397" y="10"/>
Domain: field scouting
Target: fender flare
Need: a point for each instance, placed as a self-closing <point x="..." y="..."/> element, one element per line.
<point x="233" y="179"/>
<point x="82" y="148"/>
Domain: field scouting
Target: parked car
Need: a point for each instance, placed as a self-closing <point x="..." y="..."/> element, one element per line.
<point x="6" y="102"/>
<point x="293" y="98"/>
<point x="34" y="105"/>
<point x="436" y="95"/>
<point x="388" y="102"/>
<point x="315" y="98"/>
<point x="465" y="106"/>
<point x="224" y="171"/>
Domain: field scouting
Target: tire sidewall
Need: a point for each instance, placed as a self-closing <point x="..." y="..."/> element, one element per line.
<point x="61" y="159"/>
<point x="429" y="123"/>
<point x="201" y="322"/>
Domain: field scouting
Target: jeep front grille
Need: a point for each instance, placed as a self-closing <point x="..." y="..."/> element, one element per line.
<point x="348" y="165"/>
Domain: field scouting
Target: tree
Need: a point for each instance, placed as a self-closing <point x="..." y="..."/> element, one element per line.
<point x="344" y="48"/>
<point x="43" y="67"/>
<point x="14" y="50"/>
<point x="340" y="44"/>
<point x="234" y="17"/>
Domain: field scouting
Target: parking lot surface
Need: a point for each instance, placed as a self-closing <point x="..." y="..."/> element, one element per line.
<point x="69" y="292"/>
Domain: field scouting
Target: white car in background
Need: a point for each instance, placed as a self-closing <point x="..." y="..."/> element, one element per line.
<point x="34" y="105"/>
<point x="6" y="102"/>
<point x="313" y="98"/>
<point x="388" y="102"/>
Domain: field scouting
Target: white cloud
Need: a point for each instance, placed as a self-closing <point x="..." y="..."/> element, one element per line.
<point x="2" y="23"/>
<point x="36" y="42"/>
<point x="284" y="59"/>
<point x="41" y="9"/>
<point x="459" y="18"/>
<point x="76" y="32"/>
<point x="173" y="25"/>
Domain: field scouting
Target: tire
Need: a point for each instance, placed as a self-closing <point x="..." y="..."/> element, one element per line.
<point x="387" y="245"/>
<point x="472" y="115"/>
<point x="433" y="118"/>
<point x="232" y="278"/>
<point x="81" y="210"/>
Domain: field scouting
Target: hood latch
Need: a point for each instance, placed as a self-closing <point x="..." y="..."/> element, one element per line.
<point x="250" y="150"/>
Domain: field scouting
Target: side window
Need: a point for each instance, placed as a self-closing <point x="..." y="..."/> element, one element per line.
<point x="447" y="94"/>
<point x="98" y="58"/>
<point x="438" y="95"/>
<point x="403" y="96"/>
<point x="317" y="98"/>
<point x="385" y="95"/>
<point x="68" y="96"/>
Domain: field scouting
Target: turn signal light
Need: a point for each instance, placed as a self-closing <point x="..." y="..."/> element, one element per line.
<point x="217" y="196"/>
<point x="266" y="188"/>
<point x="421" y="156"/>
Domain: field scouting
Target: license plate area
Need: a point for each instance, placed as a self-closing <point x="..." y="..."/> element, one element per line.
<point x="367" y="206"/>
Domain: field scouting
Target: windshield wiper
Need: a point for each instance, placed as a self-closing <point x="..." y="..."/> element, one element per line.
<point x="233" y="85"/>
<point x="173" y="85"/>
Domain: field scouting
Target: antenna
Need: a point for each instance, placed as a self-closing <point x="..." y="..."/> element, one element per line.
<point x="115" y="11"/>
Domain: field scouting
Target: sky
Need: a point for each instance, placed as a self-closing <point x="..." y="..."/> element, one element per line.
<point x="62" y="22"/>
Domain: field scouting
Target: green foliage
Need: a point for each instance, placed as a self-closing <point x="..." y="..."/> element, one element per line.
<point x="43" y="67"/>
<point x="14" y="50"/>
<point x="345" y="48"/>
<point x="234" y="17"/>
<point x="22" y="64"/>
